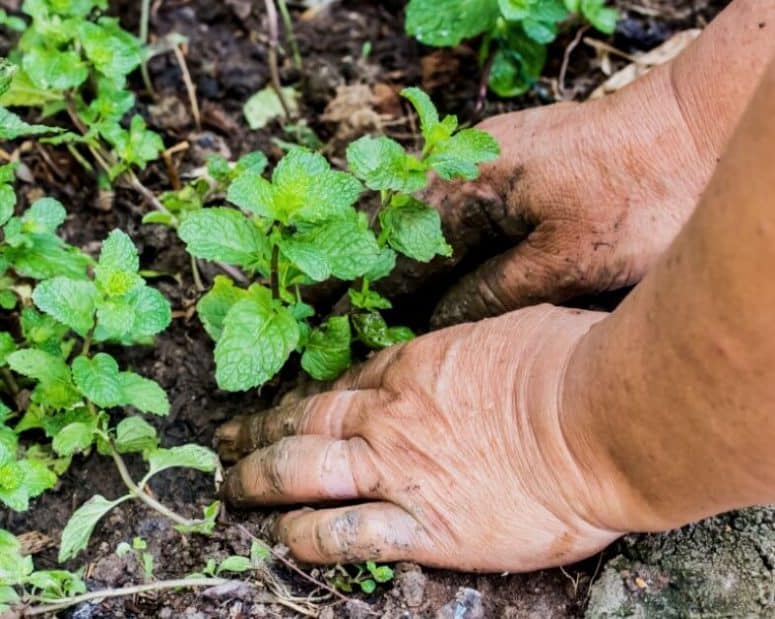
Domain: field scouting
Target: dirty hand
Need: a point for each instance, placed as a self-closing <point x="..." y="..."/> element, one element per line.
<point x="451" y="450"/>
<point x="589" y="193"/>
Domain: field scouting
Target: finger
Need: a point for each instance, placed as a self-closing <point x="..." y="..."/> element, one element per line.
<point x="538" y="270"/>
<point x="302" y="469"/>
<point x="369" y="375"/>
<point x="368" y="532"/>
<point x="334" y="413"/>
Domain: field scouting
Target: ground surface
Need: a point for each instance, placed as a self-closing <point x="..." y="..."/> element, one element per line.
<point x="719" y="568"/>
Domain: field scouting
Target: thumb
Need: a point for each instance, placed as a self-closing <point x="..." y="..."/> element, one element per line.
<point x="538" y="270"/>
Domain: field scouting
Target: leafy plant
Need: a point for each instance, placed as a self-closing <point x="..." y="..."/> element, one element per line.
<point x="368" y="576"/>
<point x="302" y="227"/>
<point x="515" y="32"/>
<point x="78" y="304"/>
<point x="72" y="59"/>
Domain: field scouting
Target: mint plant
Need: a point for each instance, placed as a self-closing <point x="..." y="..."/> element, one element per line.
<point x="302" y="227"/>
<point x="79" y="304"/>
<point x="515" y="32"/>
<point x="72" y="59"/>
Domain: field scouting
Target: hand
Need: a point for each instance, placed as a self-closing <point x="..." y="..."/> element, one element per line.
<point x="590" y="194"/>
<point x="452" y="449"/>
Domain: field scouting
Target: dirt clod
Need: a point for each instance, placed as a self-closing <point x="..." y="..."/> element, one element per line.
<point x="466" y="605"/>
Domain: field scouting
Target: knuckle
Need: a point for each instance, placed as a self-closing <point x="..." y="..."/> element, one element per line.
<point x="274" y="466"/>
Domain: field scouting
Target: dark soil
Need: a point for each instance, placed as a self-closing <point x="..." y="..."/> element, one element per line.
<point x="227" y="59"/>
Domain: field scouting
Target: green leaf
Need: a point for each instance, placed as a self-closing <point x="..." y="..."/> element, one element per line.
<point x="368" y="300"/>
<point x="186" y="456"/>
<point x="69" y="301"/>
<point x="134" y="435"/>
<point x="7" y="202"/>
<point x="374" y="332"/>
<point x="78" y="530"/>
<point x="39" y="365"/>
<point x="224" y="234"/>
<point x="213" y="307"/>
<point x="74" y="438"/>
<point x="235" y="564"/>
<point x="12" y="127"/>
<point x="600" y="16"/>
<point x="9" y="444"/>
<point x="44" y="256"/>
<point x="7" y="346"/>
<point x="118" y="254"/>
<point x="448" y="25"/>
<point x="264" y="106"/>
<point x="517" y="64"/>
<point x="460" y="156"/>
<point x="380" y="573"/>
<point x="113" y="51"/>
<point x="426" y="110"/>
<point x="368" y="586"/>
<point x="152" y="313"/>
<point x="251" y="192"/>
<point x="52" y="69"/>
<point x="23" y="480"/>
<point x="44" y="216"/>
<point x="257" y="340"/>
<point x="327" y="353"/>
<point x="98" y="380"/>
<point x="414" y="229"/>
<point x="306" y="257"/>
<point x="144" y="394"/>
<point x="383" y="164"/>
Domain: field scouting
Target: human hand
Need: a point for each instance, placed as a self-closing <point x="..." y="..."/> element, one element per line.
<point x="589" y="194"/>
<point x="453" y="448"/>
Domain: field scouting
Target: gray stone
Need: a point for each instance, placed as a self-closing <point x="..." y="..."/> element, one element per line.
<point x="466" y="605"/>
<point x="412" y="585"/>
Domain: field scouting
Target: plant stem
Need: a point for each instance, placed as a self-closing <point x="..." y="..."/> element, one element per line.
<point x="87" y="344"/>
<point x="274" y="36"/>
<point x="145" y="497"/>
<point x="197" y="277"/>
<point x="275" y="272"/>
<point x="288" y="24"/>
<point x="114" y="593"/>
<point x="145" y="18"/>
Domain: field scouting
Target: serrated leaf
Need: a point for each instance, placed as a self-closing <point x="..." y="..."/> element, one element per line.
<point x="9" y="443"/>
<point x="327" y="353"/>
<point x="373" y="331"/>
<point x="185" y="456"/>
<point x="39" y="365"/>
<point x="224" y="234"/>
<point x="307" y="257"/>
<point x="517" y="64"/>
<point x="7" y="202"/>
<point x="152" y="313"/>
<point x="383" y="164"/>
<point x="12" y="127"/>
<point x="78" y="530"/>
<point x="251" y="192"/>
<point x="52" y="69"/>
<point x="256" y="342"/>
<point x="213" y="306"/>
<point x="7" y="346"/>
<point x="426" y="110"/>
<point x="134" y="434"/>
<point x="69" y="301"/>
<point x="74" y="438"/>
<point x="144" y="394"/>
<point x="44" y="216"/>
<point x="45" y="256"/>
<point x="414" y="229"/>
<point x="447" y="26"/>
<point x="98" y="380"/>
<point x="460" y="156"/>
<point x="113" y="51"/>
<point x="118" y="253"/>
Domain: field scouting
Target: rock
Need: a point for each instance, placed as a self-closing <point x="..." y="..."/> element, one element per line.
<point x="355" y="609"/>
<point x="721" y="567"/>
<point x="466" y="605"/>
<point x="412" y="586"/>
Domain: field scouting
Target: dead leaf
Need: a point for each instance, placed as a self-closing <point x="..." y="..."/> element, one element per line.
<point x="352" y="109"/>
<point x="34" y="542"/>
<point x="641" y="63"/>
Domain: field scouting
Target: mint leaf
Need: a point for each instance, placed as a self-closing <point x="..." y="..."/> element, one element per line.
<point x="213" y="307"/>
<point x="113" y="51"/>
<point x="383" y="164"/>
<point x="144" y="394"/>
<point x="251" y="192"/>
<point x="414" y="229"/>
<point x="306" y="256"/>
<point x="460" y="156"/>
<point x="98" y="379"/>
<point x="44" y="216"/>
<point x="118" y="254"/>
<point x="134" y="435"/>
<point x="12" y="127"/>
<point x="224" y="234"/>
<point x="152" y="313"/>
<point x="448" y="25"/>
<point x="78" y="530"/>
<point x="374" y="332"/>
<point x="257" y="340"/>
<point x="7" y="201"/>
<point x="327" y="353"/>
<point x="186" y="456"/>
<point x="74" y="438"/>
<point x="368" y="300"/>
<point x="69" y="301"/>
<point x="426" y="110"/>
<point x="9" y="443"/>
<point x="52" y="372"/>
<point x="235" y="564"/>
<point x="52" y="69"/>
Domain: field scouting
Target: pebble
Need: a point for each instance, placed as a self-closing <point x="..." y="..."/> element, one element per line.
<point x="356" y="609"/>
<point x="466" y="605"/>
<point x="412" y="584"/>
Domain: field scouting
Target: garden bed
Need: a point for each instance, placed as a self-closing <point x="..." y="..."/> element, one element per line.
<point x="346" y="44"/>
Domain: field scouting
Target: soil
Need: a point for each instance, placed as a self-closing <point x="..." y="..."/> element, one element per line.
<point x="227" y="60"/>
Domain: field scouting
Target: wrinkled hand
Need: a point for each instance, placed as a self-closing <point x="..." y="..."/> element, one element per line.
<point x="450" y="451"/>
<point x="590" y="194"/>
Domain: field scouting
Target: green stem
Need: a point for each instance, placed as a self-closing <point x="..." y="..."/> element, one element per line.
<point x="288" y="24"/>
<point x="138" y="493"/>
<point x="162" y="585"/>
<point x="275" y="274"/>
